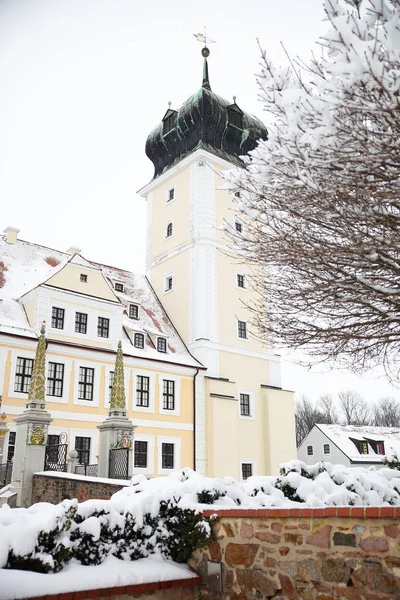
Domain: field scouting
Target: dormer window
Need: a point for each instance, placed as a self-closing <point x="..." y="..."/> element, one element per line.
<point x="119" y="287"/>
<point x="377" y="446"/>
<point x="361" y="445"/>
<point x="138" y="340"/>
<point x="169" y="121"/>
<point x="83" y="278"/>
<point x="133" y="311"/>
<point x="235" y="116"/>
<point x="161" y="344"/>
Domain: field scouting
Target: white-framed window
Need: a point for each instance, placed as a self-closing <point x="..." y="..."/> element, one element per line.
<point x="242" y="329"/>
<point x="55" y="379"/>
<point x="169" y="230"/>
<point x="9" y="446"/>
<point x="143" y="453"/>
<point x="21" y="373"/>
<point x="327" y="449"/>
<point x="81" y="322"/>
<point x="168" y="283"/>
<point x="85" y="441"/>
<point x="241" y="281"/>
<point x="246" y="404"/>
<point x="103" y="327"/>
<point x="57" y="317"/>
<point x="87" y="383"/>
<point x="143" y="392"/>
<point x="170" y="395"/>
<point x="247" y="468"/>
<point x="169" y="453"/>
<point x="170" y="194"/>
<point x="310" y="451"/>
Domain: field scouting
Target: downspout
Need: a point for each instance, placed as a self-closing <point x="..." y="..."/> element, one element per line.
<point x="194" y="418"/>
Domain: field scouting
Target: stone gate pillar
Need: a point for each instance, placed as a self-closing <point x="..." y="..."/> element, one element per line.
<point x="116" y="432"/>
<point x="32" y="428"/>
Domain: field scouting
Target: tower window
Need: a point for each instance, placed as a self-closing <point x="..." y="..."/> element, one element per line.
<point x="170" y="229"/>
<point x="133" y="311"/>
<point x="171" y="195"/>
<point x="245" y="405"/>
<point x="119" y="287"/>
<point x="238" y="227"/>
<point x="169" y="281"/>
<point x="240" y="281"/>
<point x="242" y="329"/>
<point x="138" y="340"/>
<point x="83" y="278"/>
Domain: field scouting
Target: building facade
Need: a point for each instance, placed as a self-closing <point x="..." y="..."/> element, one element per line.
<point x="88" y="308"/>
<point x="202" y="389"/>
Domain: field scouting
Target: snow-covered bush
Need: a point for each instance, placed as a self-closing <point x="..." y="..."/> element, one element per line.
<point x="164" y="515"/>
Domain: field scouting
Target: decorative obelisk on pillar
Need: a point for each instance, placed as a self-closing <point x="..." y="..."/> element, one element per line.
<point x="32" y="428"/>
<point x="116" y="432"/>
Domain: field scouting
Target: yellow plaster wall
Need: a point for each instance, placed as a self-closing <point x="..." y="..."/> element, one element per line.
<point x="176" y="302"/>
<point x="176" y="210"/>
<point x="279" y="428"/>
<point x="68" y="278"/>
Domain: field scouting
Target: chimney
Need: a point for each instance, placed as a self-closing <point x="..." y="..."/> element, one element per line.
<point x="11" y="234"/>
<point x="73" y="250"/>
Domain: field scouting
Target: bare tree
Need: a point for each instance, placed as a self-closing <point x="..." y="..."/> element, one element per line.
<point x="354" y="408"/>
<point x="306" y="415"/>
<point x="327" y="409"/>
<point x="386" y="413"/>
<point x="321" y="196"/>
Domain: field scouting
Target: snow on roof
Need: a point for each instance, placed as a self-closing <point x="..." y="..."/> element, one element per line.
<point x="341" y="436"/>
<point x="25" y="265"/>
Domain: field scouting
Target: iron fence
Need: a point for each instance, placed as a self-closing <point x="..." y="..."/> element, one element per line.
<point x="5" y="473"/>
<point x="119" y="463"/>
<point x="90" y="470"/>
<point x="55" y="458"/>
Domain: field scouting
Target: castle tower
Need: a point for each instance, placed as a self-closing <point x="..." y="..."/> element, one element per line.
<point x="245" y="421"/>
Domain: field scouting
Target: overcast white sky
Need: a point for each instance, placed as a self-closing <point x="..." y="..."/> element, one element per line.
<point x="83" y="82"/>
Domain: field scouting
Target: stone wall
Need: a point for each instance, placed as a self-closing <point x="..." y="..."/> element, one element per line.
<point x="307" y="554"/>
<point x="56" y="488"/>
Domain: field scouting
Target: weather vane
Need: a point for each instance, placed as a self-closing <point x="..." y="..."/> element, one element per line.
<point x="202" y="37"/>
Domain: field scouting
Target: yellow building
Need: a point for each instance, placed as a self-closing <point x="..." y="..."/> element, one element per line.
<point x="246" y="424"/>
<point x="87" y="308"/>
<point x="202" y="390"/>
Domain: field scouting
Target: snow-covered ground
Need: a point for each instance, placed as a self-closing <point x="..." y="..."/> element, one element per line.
<point x="94" y="531"/>
<point x="112" y="572"/>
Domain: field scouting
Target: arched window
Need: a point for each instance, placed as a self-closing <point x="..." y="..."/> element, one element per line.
<point x="170" y="229"/>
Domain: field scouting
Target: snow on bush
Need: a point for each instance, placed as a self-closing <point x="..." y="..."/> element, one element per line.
<point x="163" y="515"/>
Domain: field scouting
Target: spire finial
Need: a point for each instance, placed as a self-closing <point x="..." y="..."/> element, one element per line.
<point x="234" y="99"/>
<point x="169" y="104"/>
<point x="205" y="52"/>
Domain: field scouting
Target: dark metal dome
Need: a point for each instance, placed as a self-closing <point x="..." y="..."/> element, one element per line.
<point x="205" y="121"/>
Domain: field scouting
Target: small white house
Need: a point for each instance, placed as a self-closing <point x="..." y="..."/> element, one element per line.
<point x="349" y="445"/>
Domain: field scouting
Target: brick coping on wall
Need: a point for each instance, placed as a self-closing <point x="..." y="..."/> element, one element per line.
<point x="141" y="588"/>
<point x="359" y="512"/>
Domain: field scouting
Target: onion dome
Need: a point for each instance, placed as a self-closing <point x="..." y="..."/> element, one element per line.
<point x="204" y="121"/>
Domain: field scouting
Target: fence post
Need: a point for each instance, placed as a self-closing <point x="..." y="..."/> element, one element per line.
<point x="72" y="461"/>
